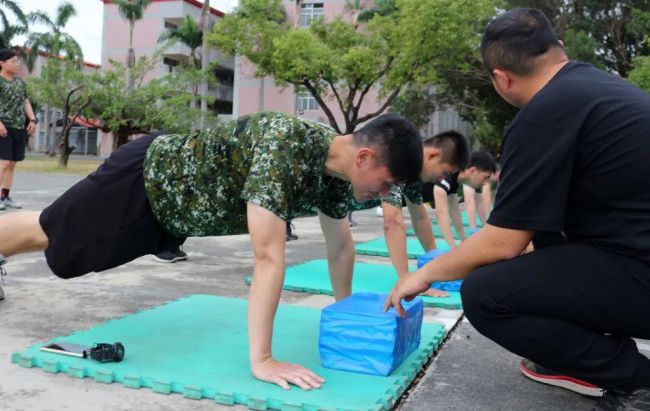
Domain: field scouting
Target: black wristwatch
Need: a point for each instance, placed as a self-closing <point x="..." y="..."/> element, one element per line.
<point x="34" y="120"/>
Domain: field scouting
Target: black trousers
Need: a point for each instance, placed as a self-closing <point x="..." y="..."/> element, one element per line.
<point x="570" y="308"/>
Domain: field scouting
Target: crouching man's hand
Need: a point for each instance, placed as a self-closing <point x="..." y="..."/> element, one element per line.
<point x="407" y="288"/>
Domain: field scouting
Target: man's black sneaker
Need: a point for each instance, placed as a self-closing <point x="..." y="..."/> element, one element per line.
<point x="541" y="374"/>
<point x="170" y="256"/>
<point x="291" y="236"/>
<point x="615" y="400"/>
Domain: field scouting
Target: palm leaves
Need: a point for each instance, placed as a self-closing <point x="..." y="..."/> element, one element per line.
<point x="54" y="41"/>
<point x="188" y="33"/>
<point x="8" y="33"/>
<point x="11" y="6"/>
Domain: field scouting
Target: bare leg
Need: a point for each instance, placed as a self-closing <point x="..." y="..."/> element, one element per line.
<point x="21" y="233"/>
<point x="7" y="178"/>
<point x="4" y="165"/>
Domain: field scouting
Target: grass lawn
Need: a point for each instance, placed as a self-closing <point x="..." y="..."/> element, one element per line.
<point x="47" y="164"/>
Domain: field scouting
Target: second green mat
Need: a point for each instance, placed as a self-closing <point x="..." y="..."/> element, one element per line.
<point x="413" y="247"/>
<point x="313" y="277"/>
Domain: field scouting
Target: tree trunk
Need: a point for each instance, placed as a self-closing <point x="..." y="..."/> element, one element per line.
<point x="130" y="58"/>
<point x="205" y="58"/>
<point x="121" y="136"/>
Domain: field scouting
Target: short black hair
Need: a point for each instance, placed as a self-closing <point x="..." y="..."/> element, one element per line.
<point x="453" y="145"/>
<point x="6" y="54"/>
<point x="513" y="39"/>
<point x="483" y="161"/>
<point x="398" y="143"/>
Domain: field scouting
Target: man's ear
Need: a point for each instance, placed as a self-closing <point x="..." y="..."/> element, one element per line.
<point x="431" y="153"/>
<point x="502" y="78"/>
<point x="364" y="156"/>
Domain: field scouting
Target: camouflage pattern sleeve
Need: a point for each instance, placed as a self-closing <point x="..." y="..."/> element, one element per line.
<point x="271" y="177"/>
<point x="395" y="195"/>
<point x="334" y="201"/>
<point x="413" y="192"/>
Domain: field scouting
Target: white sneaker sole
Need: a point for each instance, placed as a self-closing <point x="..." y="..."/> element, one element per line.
<point x="175" y="259"/>
<point x="563" y="381"/>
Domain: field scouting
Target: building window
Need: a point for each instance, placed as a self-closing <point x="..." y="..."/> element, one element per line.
<point x="170" y="26"/>
<point x="306" y="102"/>
<point x="310" y="12"/>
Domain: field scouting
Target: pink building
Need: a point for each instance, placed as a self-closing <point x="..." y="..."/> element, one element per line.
<point x="259" y="94"/>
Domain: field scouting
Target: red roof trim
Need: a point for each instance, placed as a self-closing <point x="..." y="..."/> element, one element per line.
<point x="48" y="55"/>
<point x="195" y="3"/>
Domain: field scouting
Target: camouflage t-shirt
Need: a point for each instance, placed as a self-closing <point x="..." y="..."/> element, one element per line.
<point x="412" y="191"/>
<point x="199" y="184"/>
<point x="12" y="102"/>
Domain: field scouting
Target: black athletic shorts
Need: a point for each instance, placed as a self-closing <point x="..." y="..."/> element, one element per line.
<point x="104" y="220"/>
<point x="12" y="147"/>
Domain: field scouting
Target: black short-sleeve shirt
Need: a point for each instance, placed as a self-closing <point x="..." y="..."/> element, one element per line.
<point x="449" y="184"/>
<point x="577" y="159"/>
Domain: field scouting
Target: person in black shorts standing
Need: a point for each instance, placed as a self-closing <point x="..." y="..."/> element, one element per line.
<point x="15" y="112"/>
<point x="575" y="161"/>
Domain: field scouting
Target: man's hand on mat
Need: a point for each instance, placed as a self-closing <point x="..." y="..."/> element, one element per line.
<point x="435" y="293"/>
<point x="407" y="288"/>
<point x="283" y="374"/>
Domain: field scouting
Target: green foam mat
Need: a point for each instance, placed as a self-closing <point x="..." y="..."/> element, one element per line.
<point x="413" y="247"/>
<point x="437" y="233"/>
<point x="313" y="277"/>
<point x="197" y="346"/>
<point x="465" y="220"/>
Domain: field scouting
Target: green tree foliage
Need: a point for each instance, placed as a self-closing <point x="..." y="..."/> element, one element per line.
<point x="131" y="10"/>
<point x="54" y="41"/>
<point x="340" y="64"/>
<point x="62" y="85"/>
<point x="160" y="104"/>
<point x="641" y="73"/>
<point x="414" y="103"/>
<point x="607" y="33"/>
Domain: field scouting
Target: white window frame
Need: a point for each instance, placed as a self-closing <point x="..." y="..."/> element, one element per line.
<point x="305" y="101"/>
<point x="310" y="12"/>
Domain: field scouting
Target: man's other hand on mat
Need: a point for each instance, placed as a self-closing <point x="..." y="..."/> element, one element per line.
<point x="283" y="374"/>
<point x="407" y="288"/>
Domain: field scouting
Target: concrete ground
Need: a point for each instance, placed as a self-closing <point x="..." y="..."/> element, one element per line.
<point x="469" y="372"/>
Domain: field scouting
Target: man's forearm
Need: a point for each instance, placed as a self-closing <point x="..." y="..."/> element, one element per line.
<point x="263" y="299"/>
<point x="445" y="228"/>
<point x="395" y="235"/>
<point x="29" y="111"/>
<point x="341" y="265"/>
<point x="456" y="219"/>
<point x="489" y="245"/>
<point x="422" y="227"/>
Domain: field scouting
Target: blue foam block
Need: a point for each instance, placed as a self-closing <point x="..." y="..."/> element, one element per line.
<point x="440" y="285"/>
<point x="356" y="334"/>
<point x="430" y="255"/>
